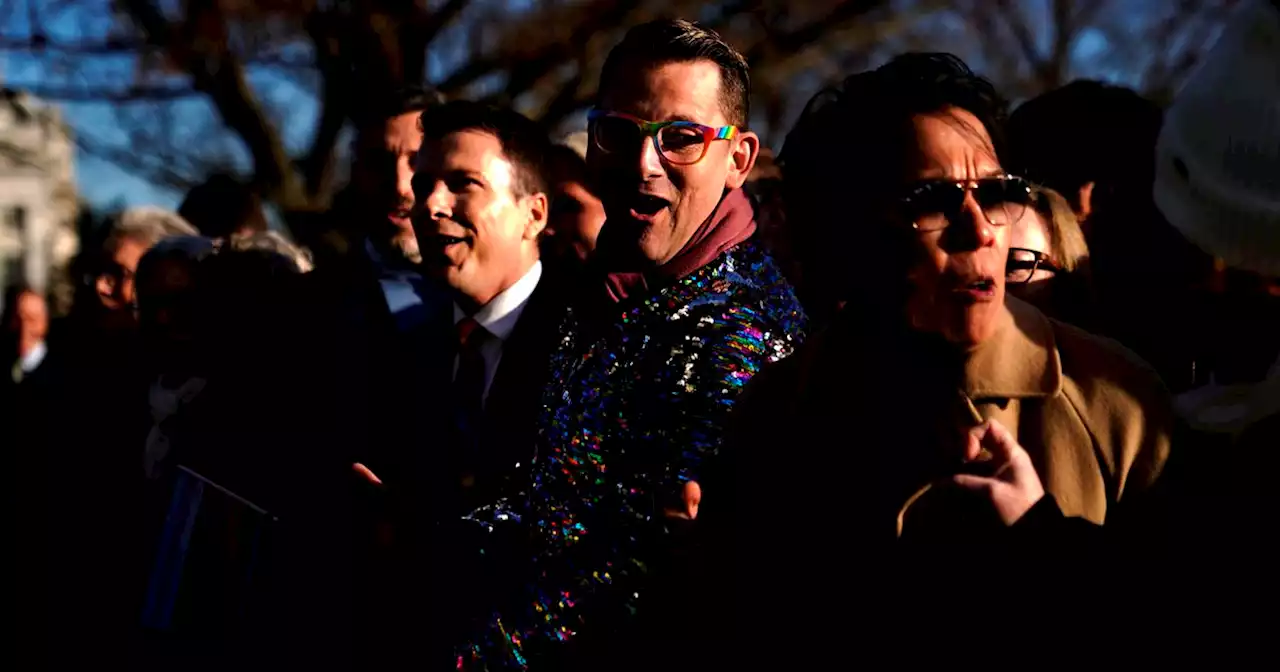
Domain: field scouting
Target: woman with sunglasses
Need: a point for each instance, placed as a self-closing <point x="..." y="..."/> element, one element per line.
<point x="936" y="421"/>
<point x="1048" y="263"/>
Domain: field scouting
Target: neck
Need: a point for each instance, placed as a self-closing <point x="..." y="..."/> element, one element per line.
<point x="472" y="302"/>
<point x="26" y="344"/>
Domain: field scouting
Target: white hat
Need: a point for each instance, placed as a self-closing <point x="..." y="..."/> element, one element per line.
<point x="1218" y="156"/>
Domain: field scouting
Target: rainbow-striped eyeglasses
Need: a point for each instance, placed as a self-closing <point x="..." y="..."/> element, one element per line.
<point x="680" y="143"/>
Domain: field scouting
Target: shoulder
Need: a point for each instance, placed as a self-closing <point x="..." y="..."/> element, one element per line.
<point x="743" y="290"/>
<point x="1100" y="370"/>
<point x="1122" y="402"/>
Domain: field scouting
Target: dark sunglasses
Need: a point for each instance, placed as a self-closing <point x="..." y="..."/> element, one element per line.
<point x="1023" y="264"/>
<point x="933" y="204"/>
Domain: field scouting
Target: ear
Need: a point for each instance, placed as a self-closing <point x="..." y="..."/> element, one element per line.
<point x="538" y="210"/>
<point x="746" y="149"/>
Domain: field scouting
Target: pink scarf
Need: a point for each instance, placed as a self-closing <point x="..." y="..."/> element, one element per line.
<point x="732" y="223"/>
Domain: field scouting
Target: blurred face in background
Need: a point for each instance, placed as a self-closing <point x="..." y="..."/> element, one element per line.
<point x="961" y="235"/>
<point x="115" y="282"/>
<point x="577" y="214"/>
<point x="33" y="319"/>
<point x="655" y="200"/>
<point x="1031" y="265"/>
<point x="165" y="311"/>
<point x="479" y="234"/>
<point x="383" y="177"/>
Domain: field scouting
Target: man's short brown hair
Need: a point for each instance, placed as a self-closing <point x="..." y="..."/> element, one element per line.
<point x="679" y="41"/>
<point x="524" y="143"/>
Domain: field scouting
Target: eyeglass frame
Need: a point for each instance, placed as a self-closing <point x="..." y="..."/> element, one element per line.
<point x="968" y="186"/>
<point x="1042" y="261"/>
<point x="651" y="129"/>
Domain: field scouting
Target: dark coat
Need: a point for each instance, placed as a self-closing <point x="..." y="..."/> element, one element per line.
<point x="424" y="495"/>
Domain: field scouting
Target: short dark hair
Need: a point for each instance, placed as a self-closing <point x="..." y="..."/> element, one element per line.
<point x="221" y="206"/>
<point x="523" y="141"/>
<point x="1086" y="131"/>
<point x="868" y="114"/>
<point x="846" y="154"/>
<point x="679" y="41"/>
<point x="391" y="104"/>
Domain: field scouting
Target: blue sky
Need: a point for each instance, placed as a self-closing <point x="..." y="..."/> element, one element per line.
<point x="104" y="185"/>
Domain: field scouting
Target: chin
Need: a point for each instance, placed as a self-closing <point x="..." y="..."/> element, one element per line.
<point x="974" y="327"/>
<point x="408" y="248"/>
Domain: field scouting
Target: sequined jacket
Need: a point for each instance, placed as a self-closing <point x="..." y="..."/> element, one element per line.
<point x="636" y="408"/>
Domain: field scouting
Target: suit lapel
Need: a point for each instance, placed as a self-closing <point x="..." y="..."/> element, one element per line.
<point x="524" y="355"/>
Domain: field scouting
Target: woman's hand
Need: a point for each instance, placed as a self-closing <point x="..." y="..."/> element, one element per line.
<point x="1013" y="486"/>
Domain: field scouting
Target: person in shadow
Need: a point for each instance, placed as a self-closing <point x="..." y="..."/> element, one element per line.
<point x="939" y="434"/>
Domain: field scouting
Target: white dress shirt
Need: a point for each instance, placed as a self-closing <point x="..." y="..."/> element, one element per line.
<point x="499" y="318"/>
<point x="34" y="357"/>
<point x="402" y="290"/>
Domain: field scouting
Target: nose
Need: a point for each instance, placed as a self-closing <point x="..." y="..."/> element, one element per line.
<point x="972" y="229"/>
<point x="404" y="179"/>
<point x="106" y="286"/>
<point x="650" y="160"/>
<point x="439" y="203"/>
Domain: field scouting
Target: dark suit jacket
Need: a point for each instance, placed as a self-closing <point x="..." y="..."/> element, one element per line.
<point x="425" y="459"/>
<point x="422" y="473"/>
<point x="347" y="376"/>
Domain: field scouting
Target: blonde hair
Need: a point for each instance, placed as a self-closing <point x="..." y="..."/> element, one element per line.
<point x="272" y="241"/>
<point x="148" y="225"/>
<point x="1067" y="246"/>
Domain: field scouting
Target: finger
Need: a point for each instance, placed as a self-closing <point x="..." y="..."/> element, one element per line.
<point x="973" y="447"/>
<point x="366" y="474"/>
<point x="1000" y="441"/>
<point x="692" y="498"/>
<point x="974" y="483"/>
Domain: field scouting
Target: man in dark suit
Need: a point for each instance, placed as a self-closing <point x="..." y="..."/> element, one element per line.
<point x="480" y="362"/>
<point x="367" y="293"/>
<point x="364" y="297"/>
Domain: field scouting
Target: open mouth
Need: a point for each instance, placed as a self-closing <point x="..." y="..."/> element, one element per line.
<point x="444" y="241"/>
<point x="646" y="206"/>
<point x="980" y="289"/>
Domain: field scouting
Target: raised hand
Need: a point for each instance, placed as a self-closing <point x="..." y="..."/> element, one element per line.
<point x="1013" y="486"/>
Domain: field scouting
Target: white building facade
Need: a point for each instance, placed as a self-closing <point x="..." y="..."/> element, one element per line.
<point x="38" y="205"/>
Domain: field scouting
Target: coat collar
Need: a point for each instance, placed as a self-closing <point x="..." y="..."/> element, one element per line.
<point x="1020" y="360"/>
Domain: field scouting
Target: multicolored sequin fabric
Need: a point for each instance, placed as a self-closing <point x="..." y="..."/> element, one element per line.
<point x="636" y="409"/>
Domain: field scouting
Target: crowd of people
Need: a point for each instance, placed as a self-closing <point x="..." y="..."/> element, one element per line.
<point x="647" y="398"/>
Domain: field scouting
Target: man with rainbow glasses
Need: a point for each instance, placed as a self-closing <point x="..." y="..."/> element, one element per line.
<point x="683" y="309"/>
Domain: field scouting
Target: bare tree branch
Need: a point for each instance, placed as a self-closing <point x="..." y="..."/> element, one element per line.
<point x="334" y="102"/>
<point x="156" y="172"/>
<point x="217" y="73"/>
<point x="132" y="94"/>
<point x="441" y="18"/>
<point x="529" y="67"/>
<point x="795" y="40"/>
<point x="1017" y="24"/>
<point x="545" y="57"/>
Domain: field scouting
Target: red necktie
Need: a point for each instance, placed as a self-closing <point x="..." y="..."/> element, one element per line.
<point x="469" y="382"/>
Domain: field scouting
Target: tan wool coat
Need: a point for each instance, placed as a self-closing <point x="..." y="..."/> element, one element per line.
<point x="882" y="422"/>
